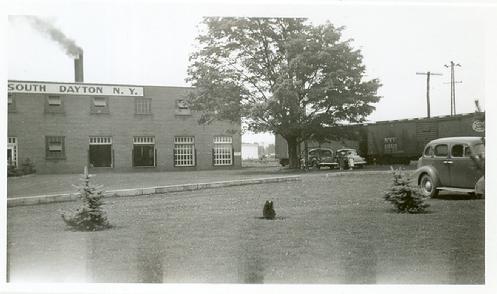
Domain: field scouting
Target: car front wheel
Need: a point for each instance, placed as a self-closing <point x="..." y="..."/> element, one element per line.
<point x="480" y="188"/>
<point x="427" y="186"/>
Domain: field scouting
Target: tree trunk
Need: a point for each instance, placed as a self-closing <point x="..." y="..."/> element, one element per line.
<point x="293" y="154"/>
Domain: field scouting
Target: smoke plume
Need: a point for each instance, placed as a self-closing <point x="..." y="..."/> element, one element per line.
<point x="53" y="33"/>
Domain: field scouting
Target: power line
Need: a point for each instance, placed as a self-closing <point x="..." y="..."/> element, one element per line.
<point x="428" y="74"/>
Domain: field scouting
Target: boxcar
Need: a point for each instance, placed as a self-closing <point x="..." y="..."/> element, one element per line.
<point x="395" y="141"/>
<point x="400" y="141"/>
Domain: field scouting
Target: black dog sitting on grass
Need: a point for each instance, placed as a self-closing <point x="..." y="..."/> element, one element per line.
<point x="268" y="211"/>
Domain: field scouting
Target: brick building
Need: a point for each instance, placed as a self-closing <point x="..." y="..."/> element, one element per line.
<point x="62" y="127"/>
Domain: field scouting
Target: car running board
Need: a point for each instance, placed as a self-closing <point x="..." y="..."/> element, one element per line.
<point x="462" y="190"/>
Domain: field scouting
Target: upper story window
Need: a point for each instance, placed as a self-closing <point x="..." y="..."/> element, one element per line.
<point x="143" y="105"/>
<point x="54" y="100"/>
<point x="54" y="104"/>
<point x="55" y="147"/>
<point x="99" y="101"/>
<point x="182" y="107"/>
<point x="99" y="105"/>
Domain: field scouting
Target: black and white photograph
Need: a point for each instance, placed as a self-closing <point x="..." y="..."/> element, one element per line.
<point x="266" y="144"/>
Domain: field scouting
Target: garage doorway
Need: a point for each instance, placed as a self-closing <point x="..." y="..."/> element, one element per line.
<point x="100" y="152"/>
<point x="144" y="152"/>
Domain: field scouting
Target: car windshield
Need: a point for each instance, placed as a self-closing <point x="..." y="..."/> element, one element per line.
<point x="326" y="153"/>
<point x="351" y="152"/>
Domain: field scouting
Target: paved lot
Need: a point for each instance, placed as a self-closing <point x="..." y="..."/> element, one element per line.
<point x="328" y="230"/>
<point x="33" y="185"/>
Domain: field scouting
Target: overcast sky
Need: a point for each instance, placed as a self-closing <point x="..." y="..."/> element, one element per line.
<point x="149" y="44"/>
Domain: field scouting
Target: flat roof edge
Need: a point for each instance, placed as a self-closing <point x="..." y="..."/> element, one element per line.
<point x="101" y="84"/>
<point x="424" y="118"/>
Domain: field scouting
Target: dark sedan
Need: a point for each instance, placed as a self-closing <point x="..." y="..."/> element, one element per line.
<point x="455" y="164"/>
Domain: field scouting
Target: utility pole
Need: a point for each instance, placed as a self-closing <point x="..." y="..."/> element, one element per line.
<point x="452" y="87"/>
<point x="428" y="74"/>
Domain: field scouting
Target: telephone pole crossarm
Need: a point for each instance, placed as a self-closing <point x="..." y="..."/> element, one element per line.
<point x="428" y="74"/>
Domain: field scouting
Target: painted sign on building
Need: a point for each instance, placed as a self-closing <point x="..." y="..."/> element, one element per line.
<point x="73" y="89"/>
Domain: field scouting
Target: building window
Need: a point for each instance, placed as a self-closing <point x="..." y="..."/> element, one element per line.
<point x="55" y="147"/>
<point x="182" y="107"/>
<point x="144" y="152"/>
<point x="184" y="151"/>
<point x="11" y="103"/>
<point x="12" y="151"/>
<point x="223" y="150"/>
<point x="99" y="105"/>
<point x="54" y="104"/>
<point x="99" y="102"/>
<point x="54" y="100"/>
<point x="143" y="105"/>
<point x="100" y="152"/>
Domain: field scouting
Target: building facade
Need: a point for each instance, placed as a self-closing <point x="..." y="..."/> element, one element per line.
<point x="62" y="127"/>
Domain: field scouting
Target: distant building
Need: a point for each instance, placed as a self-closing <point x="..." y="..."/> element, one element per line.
<point x="62" y="127"/>
<point x="250" y="151"/>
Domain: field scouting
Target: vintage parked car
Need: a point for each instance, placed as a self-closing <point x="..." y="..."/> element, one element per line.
<point x="455" y="164"/>
<point x="319" y="157"/>
<point x="349" y="155"/>
<point x="284" y="161"/>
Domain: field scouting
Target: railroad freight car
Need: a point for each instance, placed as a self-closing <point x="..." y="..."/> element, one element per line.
<point x="395" y="141"/>
<point x="400" y="141"/>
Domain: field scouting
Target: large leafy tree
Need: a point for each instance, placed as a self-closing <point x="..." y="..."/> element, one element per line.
<point x="281" y="75"/>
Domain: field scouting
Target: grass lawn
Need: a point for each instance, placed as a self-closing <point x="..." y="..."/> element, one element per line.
<point x="328" y="230"/>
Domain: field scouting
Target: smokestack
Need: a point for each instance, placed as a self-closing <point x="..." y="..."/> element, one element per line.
<point x="69" y="46"/>
<point x="78" y="68"/>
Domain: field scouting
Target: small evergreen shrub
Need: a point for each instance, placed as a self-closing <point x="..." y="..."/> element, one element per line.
<point x="404" y="196"/>
<point x="90" y="216"/>
<point x="12" y="171"/>
<point x="26" y="168"/>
